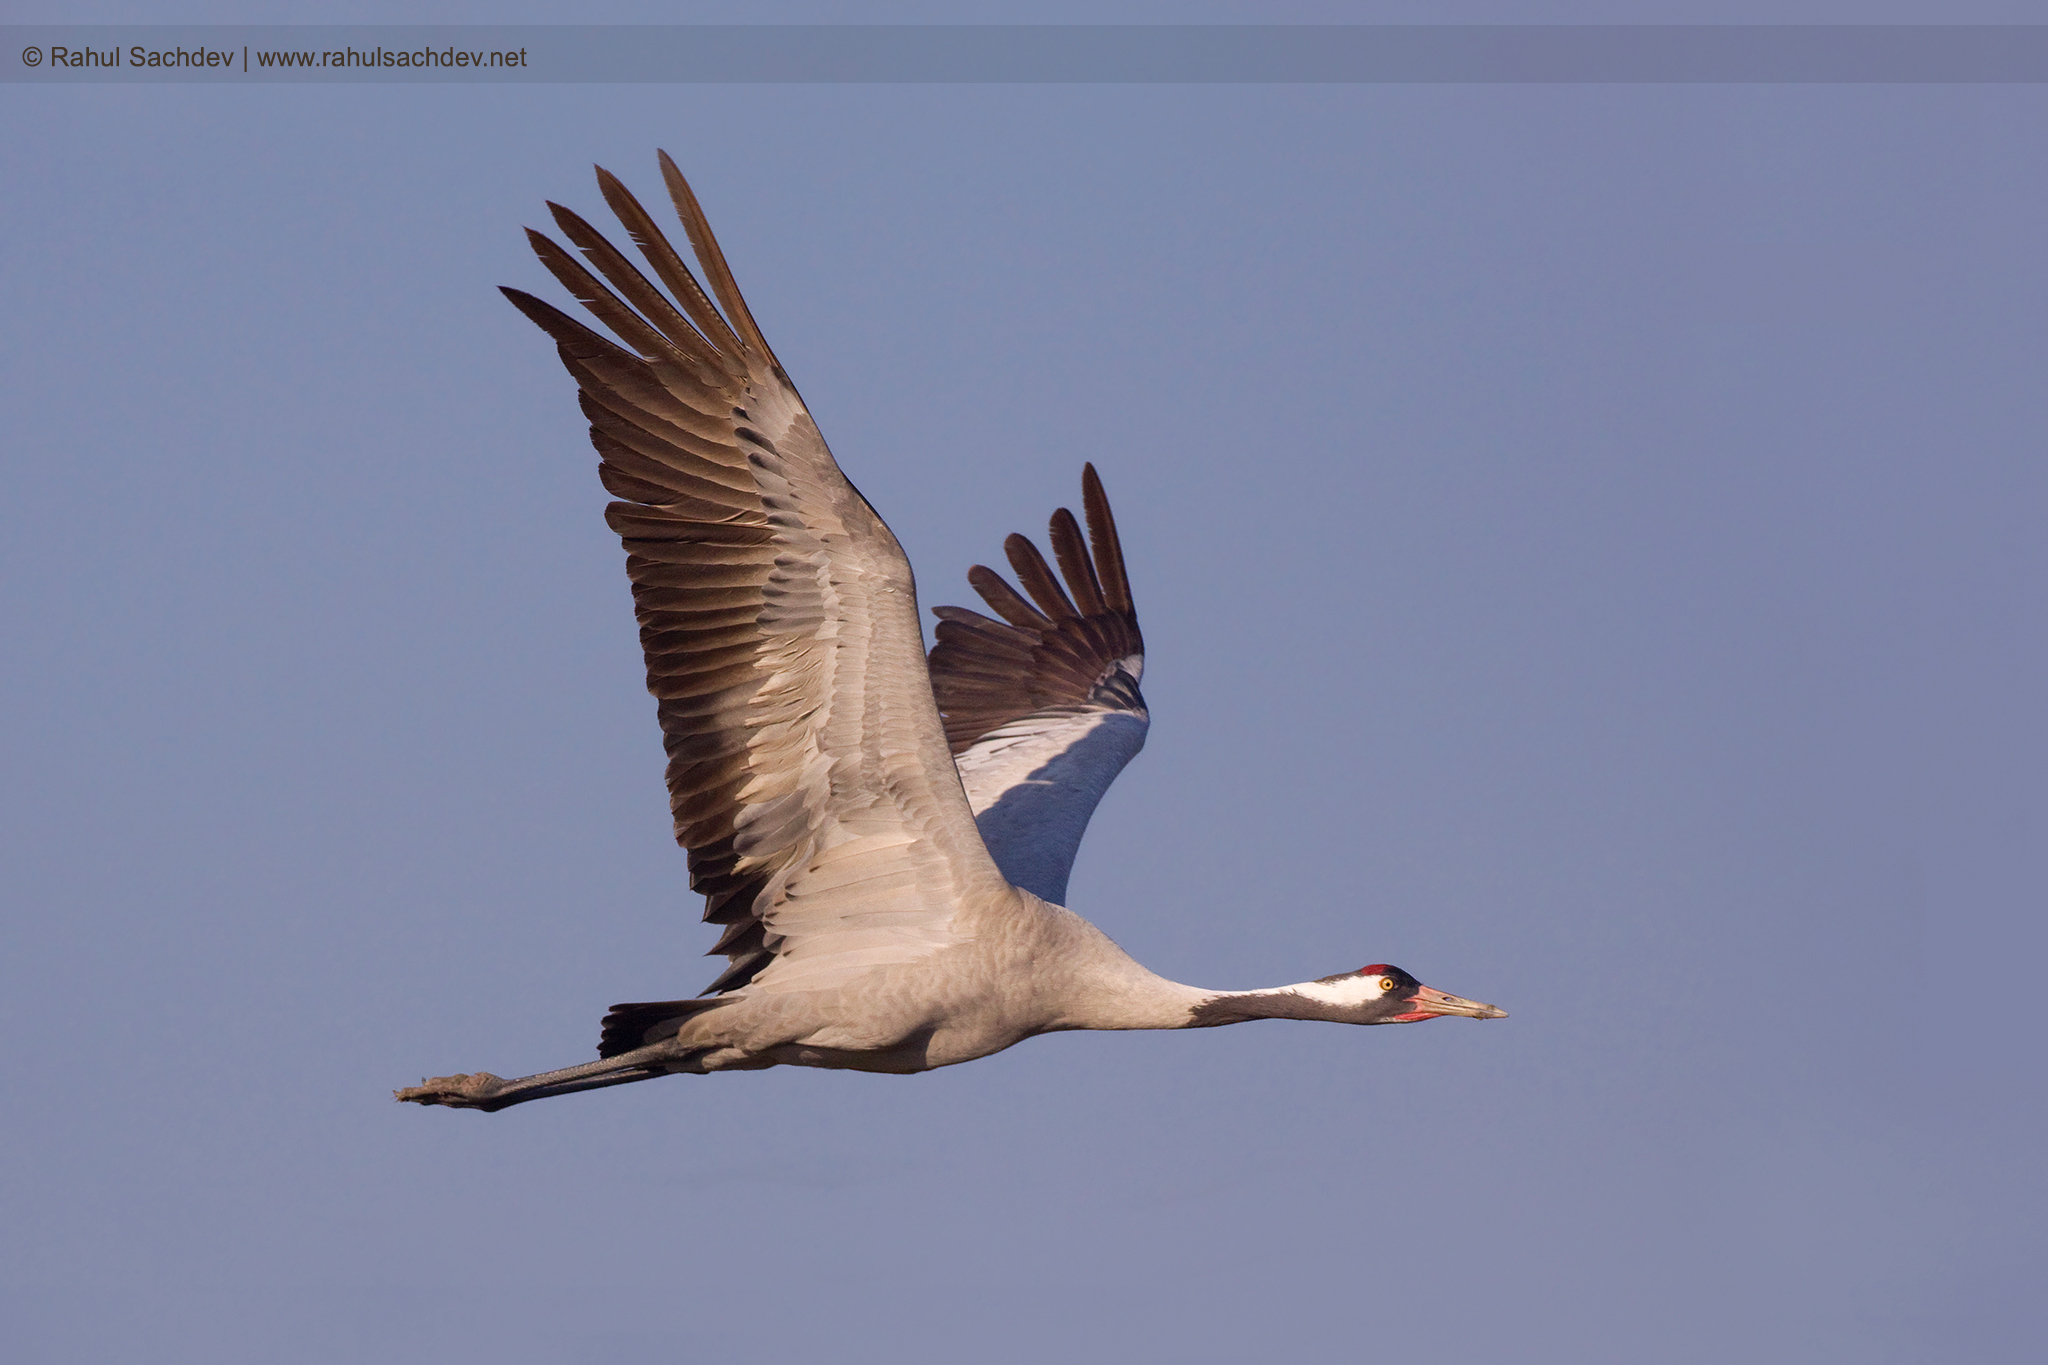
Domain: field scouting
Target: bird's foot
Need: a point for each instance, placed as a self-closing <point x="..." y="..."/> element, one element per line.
<point x="457" y="1092"/>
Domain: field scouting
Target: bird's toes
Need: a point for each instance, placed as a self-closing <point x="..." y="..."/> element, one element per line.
<point x="457" y="1092"/>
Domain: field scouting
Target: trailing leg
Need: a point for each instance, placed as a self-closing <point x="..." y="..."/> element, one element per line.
<point x="482" y="1090"/>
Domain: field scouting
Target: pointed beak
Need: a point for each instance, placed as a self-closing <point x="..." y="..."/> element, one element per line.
<point x="1427" y="1003"/>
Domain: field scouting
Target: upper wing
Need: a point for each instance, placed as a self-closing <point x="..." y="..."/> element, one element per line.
<point x="808" y="772"/>
<point x="1043" y="713"/>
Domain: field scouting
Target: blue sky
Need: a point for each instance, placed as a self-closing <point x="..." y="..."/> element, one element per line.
<point x="1588" y="544"/>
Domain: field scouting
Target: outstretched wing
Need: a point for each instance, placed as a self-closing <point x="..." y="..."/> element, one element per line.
<point x="1042" y="708"/>
<point x="808" y="772"/>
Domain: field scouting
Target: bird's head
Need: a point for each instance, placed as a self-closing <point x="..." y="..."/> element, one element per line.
<point x="1381" y="994"/>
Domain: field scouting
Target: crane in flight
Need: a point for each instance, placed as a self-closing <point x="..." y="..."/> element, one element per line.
<point x="883" y="838"/>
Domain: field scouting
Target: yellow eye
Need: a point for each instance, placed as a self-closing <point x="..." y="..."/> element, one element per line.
<point x="1386" y="984"/>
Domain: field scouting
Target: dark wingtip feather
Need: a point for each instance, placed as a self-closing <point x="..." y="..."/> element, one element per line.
<point x="716" y="272"/>
<point x="1003" y="599"/>
<point x="564" y="329"/>
<point x="1109" y="549"/>
<point x="1037" y="577"/>
<point x="1072" y="553"/>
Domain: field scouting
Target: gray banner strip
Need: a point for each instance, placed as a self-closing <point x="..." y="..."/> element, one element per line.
<point x="1025" y="54"/>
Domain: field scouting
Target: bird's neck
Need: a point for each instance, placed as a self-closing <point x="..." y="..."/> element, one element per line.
<point x="1303" y="1000"/>
<point x="1141" y="1000"/>
<point x="1113" y="991"/>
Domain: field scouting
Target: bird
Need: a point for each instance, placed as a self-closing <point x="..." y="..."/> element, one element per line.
<point x="883" y="838"/>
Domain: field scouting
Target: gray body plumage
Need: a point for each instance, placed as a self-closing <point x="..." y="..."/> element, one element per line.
<point x="969" y="999"/>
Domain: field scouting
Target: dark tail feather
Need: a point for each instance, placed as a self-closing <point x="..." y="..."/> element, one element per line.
<point x="633" y="1026"/>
